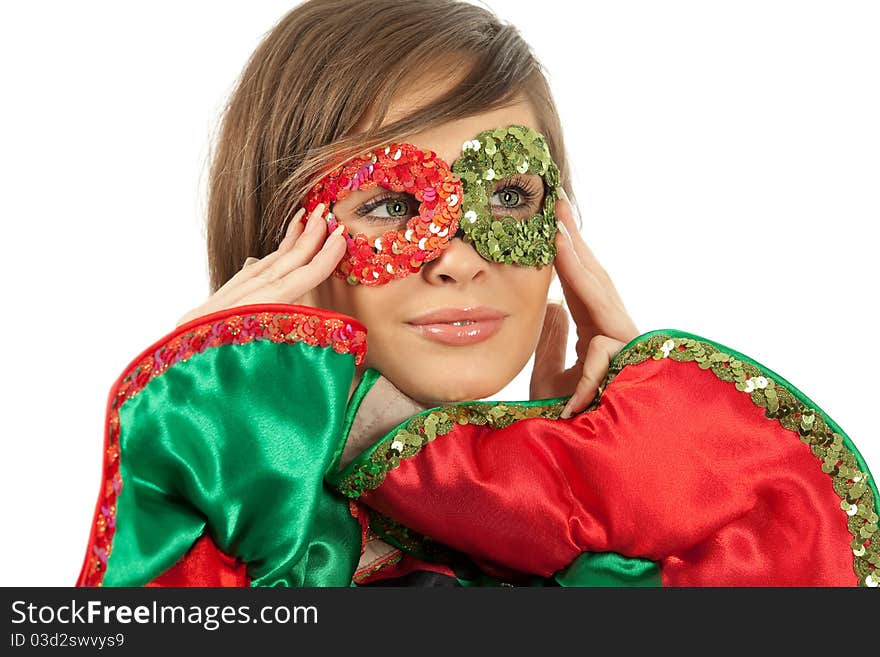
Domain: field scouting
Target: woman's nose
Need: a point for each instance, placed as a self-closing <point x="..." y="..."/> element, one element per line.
<point x="459" y="263"/>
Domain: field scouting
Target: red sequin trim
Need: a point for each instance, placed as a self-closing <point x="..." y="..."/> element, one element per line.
<point x="396" y="253"/>
<point x="318" y="328"/>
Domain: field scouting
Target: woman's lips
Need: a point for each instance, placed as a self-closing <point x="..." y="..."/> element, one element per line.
<point x="459" y="326"/>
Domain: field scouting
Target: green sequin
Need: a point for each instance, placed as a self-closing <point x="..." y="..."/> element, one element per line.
<point x="403" y="538"/>
<point x="500" y="154"/>
<point x="408" y="440"/>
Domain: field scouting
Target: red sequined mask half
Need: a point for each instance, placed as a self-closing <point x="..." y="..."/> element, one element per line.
<point x="396" y="253"/>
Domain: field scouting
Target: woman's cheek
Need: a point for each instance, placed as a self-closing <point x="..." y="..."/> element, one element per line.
<point x="534" y="285"/>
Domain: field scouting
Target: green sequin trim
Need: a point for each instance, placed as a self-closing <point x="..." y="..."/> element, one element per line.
<point x="495" y="155"/>
<point x="794" y="411"/>
<point x="408" y="439"/>
<point x="403" y="538"/>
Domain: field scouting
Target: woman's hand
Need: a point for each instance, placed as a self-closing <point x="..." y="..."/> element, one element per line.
<point x="602" y="322"/>
<point x="305" y="258"/>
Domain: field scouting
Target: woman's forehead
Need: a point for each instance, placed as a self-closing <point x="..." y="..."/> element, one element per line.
<point x="446" y="139"/>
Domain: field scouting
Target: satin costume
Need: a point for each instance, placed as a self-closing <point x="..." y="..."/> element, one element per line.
<point x="236" y="454"/>
<point x="239" y="452"/>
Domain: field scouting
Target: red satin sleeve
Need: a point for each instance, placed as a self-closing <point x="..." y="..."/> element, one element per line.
<point x="204" y="564"/>
<point x="674" y="465"/>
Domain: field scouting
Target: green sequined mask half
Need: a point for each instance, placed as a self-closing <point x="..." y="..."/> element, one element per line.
<point x="498" y="155"/>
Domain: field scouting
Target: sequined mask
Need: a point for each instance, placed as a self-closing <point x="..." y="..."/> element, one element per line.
<point x="453" y="202"/>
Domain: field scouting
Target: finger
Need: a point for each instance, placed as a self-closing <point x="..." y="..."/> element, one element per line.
<point x="587" y="287"/>
<point x="276" y="265"/>
<point x="592" y="296"/>
<point x="309" y="276"/>
<point x="585" y="255"/>
<point x="294" y="229"/>
<point x="599" y="355"/>
<point x="565" y="214"/>
<point x="552" y="347"/>
<point x="304" y="249"/>
<point x="574" y="212"/>
<point x="293" y="287"/>
<point x="242" y="284"/>
<point x="252" y="265"/>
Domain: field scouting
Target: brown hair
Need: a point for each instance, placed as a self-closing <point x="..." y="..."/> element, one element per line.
<point x="318" y="73"/>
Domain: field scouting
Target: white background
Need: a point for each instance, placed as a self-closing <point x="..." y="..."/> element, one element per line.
<point x="726" y="156"/>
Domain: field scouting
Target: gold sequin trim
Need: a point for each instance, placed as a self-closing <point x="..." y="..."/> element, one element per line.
<point x="422" y="429"/>
<point x="390" y="557"/>
<point x="839" y="462"/>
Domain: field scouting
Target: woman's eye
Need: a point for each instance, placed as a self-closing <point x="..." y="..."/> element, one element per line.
<point x="395" y="208"/>
<point x="507" y="198"/>
<point x="519" y="197"/>
<point x="388" y="209"/>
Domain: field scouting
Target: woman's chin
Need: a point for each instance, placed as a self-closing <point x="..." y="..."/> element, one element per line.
<point x="435" y="374"/>
<point x="448" y="385"/>
<point x="454" y="392"/>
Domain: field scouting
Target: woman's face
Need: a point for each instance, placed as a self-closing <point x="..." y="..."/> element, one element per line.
<point x="461" y="327"/>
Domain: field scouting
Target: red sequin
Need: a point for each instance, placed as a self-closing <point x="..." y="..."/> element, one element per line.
<point x="396" y="253"/>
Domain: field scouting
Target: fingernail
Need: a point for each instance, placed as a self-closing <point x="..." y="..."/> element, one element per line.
<point x="563" y="229"/>
<point x="566" y="411"/>
<point x="314" y="219"/>
<point x="295" y="218"/>
<point x="338" y="230"/>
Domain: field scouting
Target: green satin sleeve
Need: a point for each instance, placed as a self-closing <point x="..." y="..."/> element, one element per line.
<point x="609" y="569"/>
<point x="234" y="442"/>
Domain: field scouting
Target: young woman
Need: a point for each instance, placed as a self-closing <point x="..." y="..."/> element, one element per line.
<point x="412" y="194"/>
